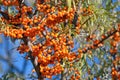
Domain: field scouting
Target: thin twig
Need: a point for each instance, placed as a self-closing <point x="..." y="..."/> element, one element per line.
<point x="86" y="21"/>
<point x="101" y="41"/>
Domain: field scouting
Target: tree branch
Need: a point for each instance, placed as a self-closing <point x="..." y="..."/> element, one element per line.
<point x="101" y="41"/>
<point x="36" y="66"/>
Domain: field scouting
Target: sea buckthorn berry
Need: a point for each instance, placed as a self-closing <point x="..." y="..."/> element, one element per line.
<point x="80" y="51"/>
<point x="103" y="36"/>
<point x="23" y="48"/>
<point x="113" y="51"/>
<point x="114" y="43"/>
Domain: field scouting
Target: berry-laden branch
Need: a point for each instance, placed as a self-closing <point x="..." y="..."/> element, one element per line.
<point x="32" y="58"/>
<point x="37" y="67"/>
<point x="98" y="43"/>
<point x="55" y="43"/>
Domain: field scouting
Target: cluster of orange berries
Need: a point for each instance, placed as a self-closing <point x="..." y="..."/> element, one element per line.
<point x="71" y="57"/>
<point x="36" y="49"/>
<point x="14" y="21"/>
<point x="45" y="8"/>
<point x="36" y="19"/>
<point x="14" y="33"/>
<point x="76" y="76"/>
<point x="60" y="17"/>
<point x="91" y="37"/>
<point x="20" y="18"/>
<point x="116" y="61"/>
<point x="86" y="11"/>
<point x="58" y="46"/>
<point x="53" y="18"/>
<point x="23" y="48"/>
<point x="57" y="42"/>
<point x="115" y="39"/>
<point x="115" y="74"/>
<point x="45" y="53"/>
<point x="31" y="32"/>
<point x="25" y="20"/>
<point x="55" y="47"/>
<point x="50" y="71"/>
<point x="10" y="2"/>
<point x="26" y="9"/>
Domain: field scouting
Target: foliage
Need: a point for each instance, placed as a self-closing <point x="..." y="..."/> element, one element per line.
<point x="48" y="30"/>
<point x="11" y="76"/>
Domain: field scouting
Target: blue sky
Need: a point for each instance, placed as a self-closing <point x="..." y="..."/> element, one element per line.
<point x="10" y="55"/>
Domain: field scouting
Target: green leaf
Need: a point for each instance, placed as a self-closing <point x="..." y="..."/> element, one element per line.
<point x="11" y="11"/>
<point x="99" y="1"/>
<point x="69" y="2"/>
<point x="30" y="2"/>
<point x="0" y="1"/>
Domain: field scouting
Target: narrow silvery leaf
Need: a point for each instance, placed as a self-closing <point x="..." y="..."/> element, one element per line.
<point x="69" y="2"/>
<point x="36" y="61"/>
<point x="30" y="2"/>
